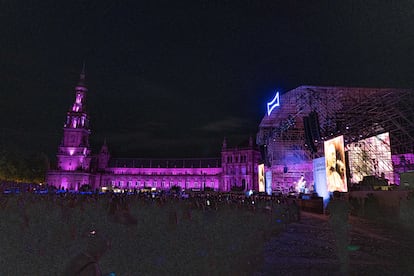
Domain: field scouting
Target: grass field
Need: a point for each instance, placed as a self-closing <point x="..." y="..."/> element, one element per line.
<point x="224" y="242"/>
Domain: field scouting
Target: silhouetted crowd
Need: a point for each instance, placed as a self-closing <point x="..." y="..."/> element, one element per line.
<point x="152" y="232"/>
<point x="80" y="230"/>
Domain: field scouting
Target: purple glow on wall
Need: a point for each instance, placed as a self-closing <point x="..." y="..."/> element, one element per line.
<point x="166" y="171"/>
<point x="163" y="178"/>
<point x="273" y="104"/>
<point x="64" y="183"/>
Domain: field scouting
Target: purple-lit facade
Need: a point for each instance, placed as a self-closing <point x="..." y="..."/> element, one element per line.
<point x="239" y="166"/>
<point x="74" y="153"/>
<point x="77" y="167"/>
<point x="161" y="174"/>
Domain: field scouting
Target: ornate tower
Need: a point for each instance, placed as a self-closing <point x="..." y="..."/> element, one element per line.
<point x="74" y="151"/>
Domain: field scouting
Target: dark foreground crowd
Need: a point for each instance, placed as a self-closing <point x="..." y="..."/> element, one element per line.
<point x="137" y="234"/>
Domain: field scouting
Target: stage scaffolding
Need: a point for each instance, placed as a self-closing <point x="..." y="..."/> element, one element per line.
<point x="389" y="111"/>
<point x="370" y="157"/>
<point x="356" y="113"/>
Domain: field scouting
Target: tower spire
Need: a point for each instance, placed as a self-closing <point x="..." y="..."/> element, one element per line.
<point x="74" y="150"/>
<point x="224" y="146"/>
<point x="82" y="81"/>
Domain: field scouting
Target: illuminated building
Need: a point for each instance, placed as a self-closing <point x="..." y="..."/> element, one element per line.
<point x="239" y="166"/>
<point x="297" y="123"/>
<point x="76" y="167"/>
<point x="74" y="153"/>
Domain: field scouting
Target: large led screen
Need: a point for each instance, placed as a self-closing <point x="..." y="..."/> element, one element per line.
<point x="335" y="165"/>
<point x="261" y="176"/>
<point x="370" y="156"/>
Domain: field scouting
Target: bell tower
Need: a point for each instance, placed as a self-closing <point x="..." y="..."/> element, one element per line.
<point x="74" y="153"/>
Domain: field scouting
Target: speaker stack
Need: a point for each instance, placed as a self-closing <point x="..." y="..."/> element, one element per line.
<point x="312" y="132"/>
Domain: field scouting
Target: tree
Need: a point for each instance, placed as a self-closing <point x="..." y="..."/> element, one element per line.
<point x="17" y="166"/>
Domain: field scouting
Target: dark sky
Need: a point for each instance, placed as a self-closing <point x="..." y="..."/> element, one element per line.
<point x="172" y="78"/>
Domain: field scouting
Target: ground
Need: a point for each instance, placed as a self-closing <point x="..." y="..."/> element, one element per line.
<point x="308" y="248"/>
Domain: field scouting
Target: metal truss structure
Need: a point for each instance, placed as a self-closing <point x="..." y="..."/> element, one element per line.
<point x="356" y="113"/>
<point x="391" y="111"/>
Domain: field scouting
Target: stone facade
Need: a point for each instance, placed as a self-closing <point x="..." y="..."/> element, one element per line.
<point x="74" y="153"/>
<point x="76" y="167"/>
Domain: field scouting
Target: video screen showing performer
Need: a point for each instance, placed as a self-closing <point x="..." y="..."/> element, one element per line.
<point x="335" y="165"/>
<point x="261" y="178"/>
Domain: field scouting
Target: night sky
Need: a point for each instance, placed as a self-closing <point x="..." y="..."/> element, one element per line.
<point x="172" y="78"/>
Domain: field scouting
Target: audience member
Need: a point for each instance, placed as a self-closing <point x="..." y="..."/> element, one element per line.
<point x="339" y="210"/>
<point x="86" y="263"/>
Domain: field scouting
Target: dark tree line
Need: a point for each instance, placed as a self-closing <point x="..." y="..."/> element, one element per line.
<point x="19" y="166"/>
